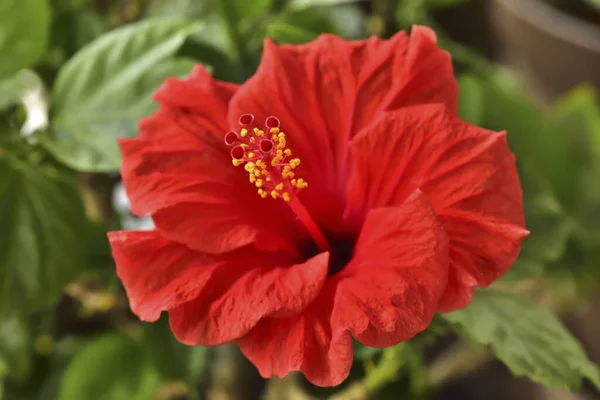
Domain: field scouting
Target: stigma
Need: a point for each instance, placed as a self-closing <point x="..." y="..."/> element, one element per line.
<point x="263" y="152"/>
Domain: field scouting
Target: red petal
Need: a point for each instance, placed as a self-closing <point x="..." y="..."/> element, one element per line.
<point x="302" y="342"/>
<point x="189" y="186"/>
<point x="211" y="299"/>
<point x="390" y="290"/>
<point x="239" y="296"/>
<point x="428" y="75"/>
<point x="467" y="173"/>
<point x="388" y="293"/>
<point x="326" y="91"/>
<point x="158" y="274"/>
<point x="198" y="104"/>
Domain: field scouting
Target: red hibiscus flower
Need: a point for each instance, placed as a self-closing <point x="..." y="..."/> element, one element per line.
<point x="333" y="195"/>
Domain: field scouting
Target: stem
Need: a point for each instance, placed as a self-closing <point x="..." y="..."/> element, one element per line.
<point x="233" y="376"/>
<point x="386" y="370"/>
<point x="458" y="360"/>
<point x="288" y="388"/>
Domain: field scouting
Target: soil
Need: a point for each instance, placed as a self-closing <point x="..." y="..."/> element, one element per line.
<point x="578" y="8"/>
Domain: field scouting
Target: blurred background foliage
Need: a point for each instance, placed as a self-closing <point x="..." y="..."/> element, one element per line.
<point x="75" y="75"/>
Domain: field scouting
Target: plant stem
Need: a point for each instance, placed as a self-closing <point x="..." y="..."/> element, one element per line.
<point x="458" y="360"/>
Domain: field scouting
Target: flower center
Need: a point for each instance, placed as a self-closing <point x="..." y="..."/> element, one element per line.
<point x="264" y="154"/>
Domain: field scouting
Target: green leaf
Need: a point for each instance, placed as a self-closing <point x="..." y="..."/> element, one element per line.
<point x="436" y="4"/>
<point x="42" y="218"/>
<point x="68" y="5"/>
<point x="167" y="354"/>
<point x="523" y="269"/>
<point x="282" y="32"/>
<point x="311" y="21"/>
<point x="15" y="348"/>
<point x="24" y="27"/>
<point x="247" y="10"/>
<point x="470" y="100"/>
<point x="72" y="30"/>
<point x="304" y="4"/>
<point x="112" y="367"/>
<point x="594" y="3"/>
<point x="530" y="341"/>
<point x="550" y="227"/>
<point x="107" y="86"/>
<point x="362" y="352"/>
<point x="580" y="109"/>
<point x="178" y="8"/>
<point x="175" y="361"/>
<point x="536" y="138"/>
<point x="199" y="359"/>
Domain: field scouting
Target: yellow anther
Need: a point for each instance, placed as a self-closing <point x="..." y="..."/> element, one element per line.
<point x="301" y="184"/>
<point x="276" y="160"/>
<point x="286" y="174"/>
<point x="272" y="173"/>
<point x="259" y="132"/>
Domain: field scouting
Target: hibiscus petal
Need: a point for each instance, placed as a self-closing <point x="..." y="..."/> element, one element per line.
<point x="467" y="173"/>
<point x="390" y="290"/>
<point x="304" y="342"/>
<point x="386" y="294"/>
<point x="211" y="299"/>
<point x="326" y="91"/>
<point x="187" y="183"/>
<point x="158" y="274"/>
<point x="237" y="298"/>
<point x="428" y="75"/>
